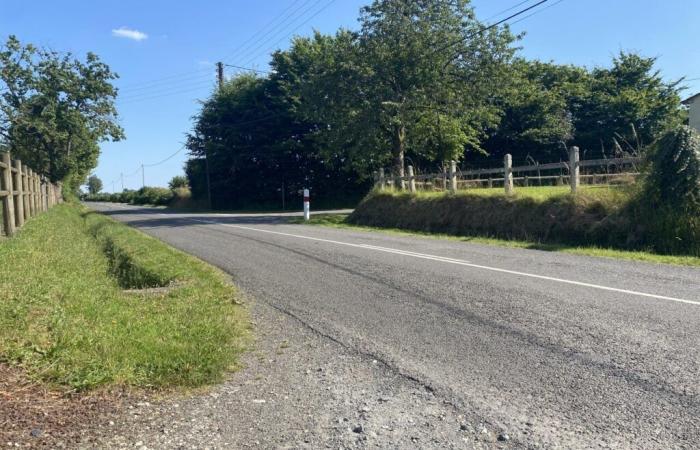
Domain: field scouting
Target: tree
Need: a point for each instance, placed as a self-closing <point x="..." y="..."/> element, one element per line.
<point x="94" y="185"/>
<point x="536" y="118"/>
<point x="627" y="106"/>
<point x="177" y="182"/>
<point x="55" y="109"/>
<point x="416" y="79"/>
<point x="259" y="151"/>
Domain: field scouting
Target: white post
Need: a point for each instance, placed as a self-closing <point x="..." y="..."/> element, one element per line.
<point x="453" y="176"/>
<point x="508" y="173"/>
<point x="307" y="205"/>
<point x="574" y="169"/>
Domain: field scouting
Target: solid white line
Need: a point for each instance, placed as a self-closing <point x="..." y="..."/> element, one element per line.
<point x="457" y="262"/>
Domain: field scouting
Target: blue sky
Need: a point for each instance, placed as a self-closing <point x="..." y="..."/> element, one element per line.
<point x="164" y="51"/>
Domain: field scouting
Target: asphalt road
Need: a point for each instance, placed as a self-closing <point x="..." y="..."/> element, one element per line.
<point x="556" y="350"/>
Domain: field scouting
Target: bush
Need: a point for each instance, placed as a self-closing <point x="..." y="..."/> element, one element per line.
<point x="178" y="182"/>
<point x="669" y="205"/>
<point x="674" y="178"/>
<point x="152" y="196"/>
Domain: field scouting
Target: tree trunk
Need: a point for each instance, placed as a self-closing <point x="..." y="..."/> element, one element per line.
<point x="398" y="151"/>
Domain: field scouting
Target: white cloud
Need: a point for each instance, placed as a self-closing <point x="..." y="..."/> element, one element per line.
<point x="128" y="33"/>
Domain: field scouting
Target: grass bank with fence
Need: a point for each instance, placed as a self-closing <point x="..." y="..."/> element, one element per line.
<point x="87" y="302"/>
<point x="602" y="203"/>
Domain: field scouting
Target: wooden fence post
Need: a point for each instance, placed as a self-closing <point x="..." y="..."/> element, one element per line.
<point x="32" y="189"/>
<point x="19" y="198"/>
<point x="411" y="180"/>
<point x="453" y="176"/>
<point x="45" y="194"/>
<point x="490" y="183"/>
<point x="8" y="202"/>
<point x="526" y="181"/>
<point x="574" y="171"/>
<point x="37" y="199"/>
<point x="508" y="173"/>
<point x="25" y="191"/>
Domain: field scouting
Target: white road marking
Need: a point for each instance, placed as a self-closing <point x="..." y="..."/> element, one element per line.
<point x="454" y="261"/>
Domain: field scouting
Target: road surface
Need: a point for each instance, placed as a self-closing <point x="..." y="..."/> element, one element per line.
<point x="553" y="350"/>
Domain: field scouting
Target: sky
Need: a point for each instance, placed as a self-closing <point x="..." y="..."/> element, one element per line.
<point x="165" y="50"/>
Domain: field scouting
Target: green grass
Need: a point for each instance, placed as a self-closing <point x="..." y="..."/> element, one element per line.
<point x="539" y="193"/>
<point x="340" y="221"/>
<point x="70" y="313"/>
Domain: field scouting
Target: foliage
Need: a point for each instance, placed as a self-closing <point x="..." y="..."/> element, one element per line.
<point x="421" y="81"/>
<point x="94" y="185"/>
<point x="72" y="323"/>
<point x="536" y="111"/>
<point x="152" y="196"/>
<point x="258" y="152"/>
<point x="627" y="105"/>
<point x="674" y="178"/>
<point x="427" y="97"/>
<point x="55" y="109"/>
<point x="178" y="181"/>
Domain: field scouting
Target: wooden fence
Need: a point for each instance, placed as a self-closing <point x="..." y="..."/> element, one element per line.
<point x="568" y="172"/>
<point x="23" y="193"/>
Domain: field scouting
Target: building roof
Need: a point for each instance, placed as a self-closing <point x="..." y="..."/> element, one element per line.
<point x="691" y="99"/>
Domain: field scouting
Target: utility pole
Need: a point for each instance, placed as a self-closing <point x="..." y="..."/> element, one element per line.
<point x="220" y="79"/>
<point x="220" y="74"/>
<point x="121" y="175"/>
<point x="143" y="176"/>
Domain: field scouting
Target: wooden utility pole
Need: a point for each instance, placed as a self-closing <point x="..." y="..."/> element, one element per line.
<point x="220" y="74"/>
<point x="220" y="79"/>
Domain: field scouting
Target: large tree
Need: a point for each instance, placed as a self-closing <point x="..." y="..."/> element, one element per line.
<point x="55" y="109"/>
<point x="418" y="79"/>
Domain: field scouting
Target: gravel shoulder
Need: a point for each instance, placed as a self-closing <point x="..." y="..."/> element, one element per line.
<point x="300" y="389"/>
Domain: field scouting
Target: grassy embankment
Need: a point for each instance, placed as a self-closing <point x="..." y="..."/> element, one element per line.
<point x="88" y="302"/>
<point x="596" y="222"/>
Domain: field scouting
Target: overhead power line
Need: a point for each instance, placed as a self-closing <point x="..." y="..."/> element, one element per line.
<point x="537" y="12"/>
<point x="289" y="22"/>
<point x="493" y="25"/>
<point x="166" y="159"/>
<point x="328" y="5"/>
<point x="264" y="32"/>
<point x="508" y="9"/>
<point x="247" y="68"/>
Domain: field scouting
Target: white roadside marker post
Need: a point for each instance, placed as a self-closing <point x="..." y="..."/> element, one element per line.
<point x="307" y="205"/>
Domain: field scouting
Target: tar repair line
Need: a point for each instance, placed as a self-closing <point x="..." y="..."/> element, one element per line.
<point x="455" y="261"/>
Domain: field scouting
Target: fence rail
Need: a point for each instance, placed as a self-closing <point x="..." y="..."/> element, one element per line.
<point x="508" y="174"/>
<point x="23" y="193"/>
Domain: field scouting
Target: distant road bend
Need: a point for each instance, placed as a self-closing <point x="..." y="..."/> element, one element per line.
<point x="561" y="350"/>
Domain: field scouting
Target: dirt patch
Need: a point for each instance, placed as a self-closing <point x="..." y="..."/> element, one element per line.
<point x="35" y="416"/>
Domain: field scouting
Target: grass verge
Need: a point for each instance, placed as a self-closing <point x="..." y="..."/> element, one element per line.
<point x="340" y="221"/>
<point x="71" y="311"/>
